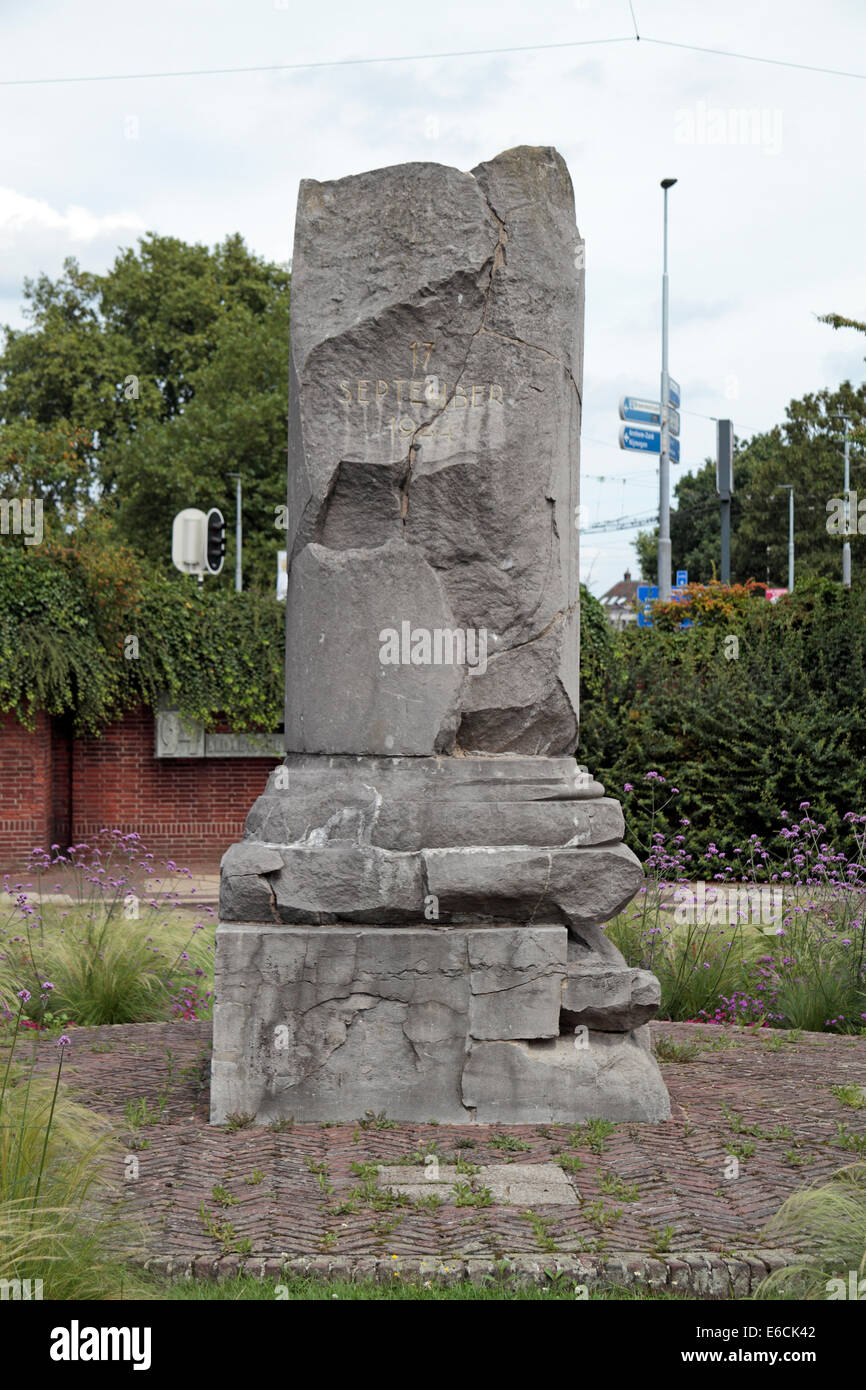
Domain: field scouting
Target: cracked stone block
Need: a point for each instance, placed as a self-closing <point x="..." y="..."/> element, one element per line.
<point x="322" y="883"/>
<point x="558" y="1083"/>
<point x="329" y="1022"/>
<point x="516" y="979"/>
<point x="608" y="997"/>
<point x="577" y="886"/>
<point x="434" y="419"/>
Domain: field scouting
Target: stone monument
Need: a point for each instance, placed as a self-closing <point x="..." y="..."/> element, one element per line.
<point x="412" y="921"/>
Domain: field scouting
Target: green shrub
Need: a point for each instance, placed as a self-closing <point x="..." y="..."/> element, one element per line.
<point x="744" y="738"/>
<point x="68" y="612"/>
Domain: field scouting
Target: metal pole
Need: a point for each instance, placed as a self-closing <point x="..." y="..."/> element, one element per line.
<point x="726" y="540"/>
<point x="664" y="544"/>
<point x="239" y="583"/>
<point x="724" y="453"/>
<point x="846" y="548"/>
<point x="790" y="489"/>
<point x="239" y="533"/>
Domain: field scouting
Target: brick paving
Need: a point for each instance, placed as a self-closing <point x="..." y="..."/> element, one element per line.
<point x="654" y="1203"/>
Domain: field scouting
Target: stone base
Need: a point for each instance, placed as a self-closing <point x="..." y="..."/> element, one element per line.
<point x="449" y="1023"/>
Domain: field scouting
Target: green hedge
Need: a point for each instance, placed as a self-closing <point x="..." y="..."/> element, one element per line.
<point x="742" y="738"/>
<point x="88" y="634"/>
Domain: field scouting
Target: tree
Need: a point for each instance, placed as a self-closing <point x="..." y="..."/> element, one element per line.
<point x="170" y="371"/>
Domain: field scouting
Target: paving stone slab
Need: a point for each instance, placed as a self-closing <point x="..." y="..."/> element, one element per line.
<point x="521" y="1184"/>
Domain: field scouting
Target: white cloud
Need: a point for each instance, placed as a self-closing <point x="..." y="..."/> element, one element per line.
<point x="25" y="221"/>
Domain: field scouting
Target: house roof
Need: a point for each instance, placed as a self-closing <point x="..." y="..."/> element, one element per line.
<point x="621" y="594"/>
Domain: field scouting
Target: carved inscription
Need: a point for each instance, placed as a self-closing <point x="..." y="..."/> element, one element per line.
<point x="395" y="397"/>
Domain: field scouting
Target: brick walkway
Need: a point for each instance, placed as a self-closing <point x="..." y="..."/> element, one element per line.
<point x="654" y="1203"/>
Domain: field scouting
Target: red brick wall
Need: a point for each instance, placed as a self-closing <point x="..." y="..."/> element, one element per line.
<point x="25" y="788"/>
<point x="190" y="809"/>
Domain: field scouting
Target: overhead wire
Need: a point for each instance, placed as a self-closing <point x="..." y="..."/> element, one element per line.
<point x="432" y="57"/>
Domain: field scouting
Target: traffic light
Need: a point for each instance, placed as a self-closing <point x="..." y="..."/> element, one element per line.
<point x="215" y="544"/>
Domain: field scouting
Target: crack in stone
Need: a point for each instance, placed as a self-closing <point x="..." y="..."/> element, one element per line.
<point x="493" y="265"/>
<point x="518" y="984"/>
<point x="266" y="879"/>
<point x="495" y="261"/>
<point x="564" y="614"/>
<point x="533" y="347"/>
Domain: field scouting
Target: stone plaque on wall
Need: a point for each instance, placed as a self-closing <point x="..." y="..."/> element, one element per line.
<point x="179" y="738"/>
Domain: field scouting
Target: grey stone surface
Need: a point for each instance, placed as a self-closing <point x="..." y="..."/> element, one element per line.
<point x="351" y="881"/>
<point x="329" y="1022"/>
<point x="336" y="881"/>
<point x="338" y="602"/>
<point x="362" y="815"/>
<point x="516" y="979"/>
<point x="434" y="403"/>
<point x="506" y="777"/>
<point x="556" y="1082"/>
<point x="521" y="1184"/>
<point x="609" y="997"/>
<point x="577" y="886"/>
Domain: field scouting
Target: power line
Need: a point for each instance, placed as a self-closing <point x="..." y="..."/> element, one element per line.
<point x="308" y="67"/>
<point x="620" y="523"/>
<point x="626" y="523"/>
<point x="752" y="58"/>
<point x="430" y="57"/>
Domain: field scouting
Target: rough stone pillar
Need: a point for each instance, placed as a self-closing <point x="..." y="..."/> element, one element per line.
<point x="412" y="921"/>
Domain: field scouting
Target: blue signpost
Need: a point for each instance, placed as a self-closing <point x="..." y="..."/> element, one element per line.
<point x="646" y="441"/>
<point x="635" y="408"/>
<point x="673" y="392"/>
<point x="645" y="595"/>
<point x="643" y="412"/>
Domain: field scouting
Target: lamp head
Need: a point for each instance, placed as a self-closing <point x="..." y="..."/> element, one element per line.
<point x="668" y="183"/>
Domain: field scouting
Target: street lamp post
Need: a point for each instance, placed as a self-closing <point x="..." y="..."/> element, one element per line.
<point x="790" y="489"/>
<point x="846" y="548"/>
<point x="664" y="546"/>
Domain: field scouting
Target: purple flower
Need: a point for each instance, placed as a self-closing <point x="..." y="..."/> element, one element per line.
<point x="64" y="1041"/>
<point x="24" y="996"/>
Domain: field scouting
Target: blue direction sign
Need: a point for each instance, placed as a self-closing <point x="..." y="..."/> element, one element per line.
<point x="674" y="392"/>
<point x="646" y="441"/>
<point x="645" y="594"/>
<point x="644" y="412"/>
<point x="635" y="408"/>
<point x="682" y="578"/>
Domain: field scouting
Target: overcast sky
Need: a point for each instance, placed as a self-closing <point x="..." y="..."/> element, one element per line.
<point x="766" y="222"/>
